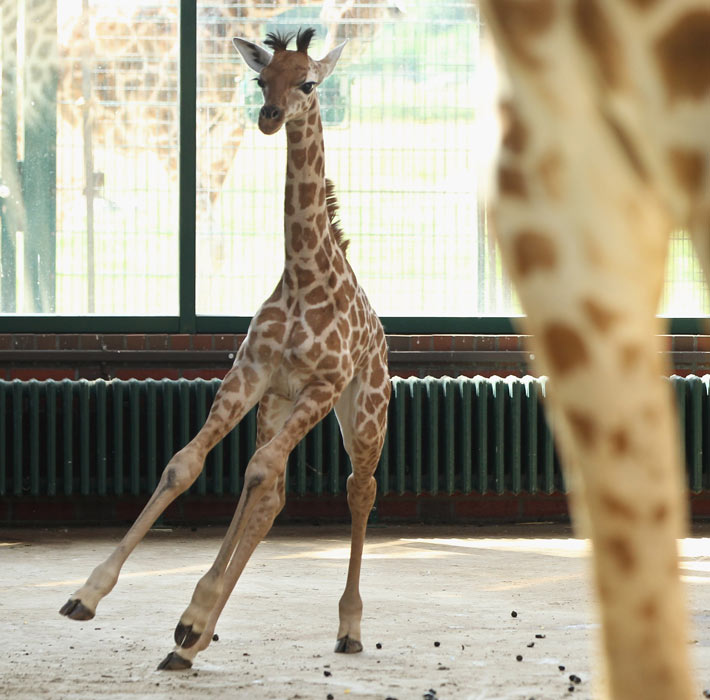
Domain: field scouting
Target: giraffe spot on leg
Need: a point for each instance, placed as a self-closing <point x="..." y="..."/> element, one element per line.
<point x="549" y="169"/>
<point x="631" y="354"/>
<point x="620" y="441"/>
<point x="596" y="33"/>
<point x="615" y="507"/>
<point x="514" y="133"/>
<point x="565" y="347"/>
<point x="660" y="513"/>
<point x="288" y="200"/>
<point x="533" y="251"/>
<point x="583" y="426"/>
<point x="522" y="21"/>
<point x="621" y="552"/>
<point x="511" y="181"/>
<point x="689" y="168"/>
<point x="648" y="610"/>
<point x="683" y="56"/>
<point x="601" y="317"/>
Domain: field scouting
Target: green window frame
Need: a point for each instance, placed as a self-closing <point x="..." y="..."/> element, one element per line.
<point x="188" y="321"/>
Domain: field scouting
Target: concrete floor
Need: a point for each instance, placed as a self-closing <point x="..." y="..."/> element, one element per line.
<point x="437" y="599"/>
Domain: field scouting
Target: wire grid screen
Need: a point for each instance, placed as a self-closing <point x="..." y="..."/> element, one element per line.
<point x="117" y="158"/>
<point x="400" y="138"/>
<point x="400" y="120"/>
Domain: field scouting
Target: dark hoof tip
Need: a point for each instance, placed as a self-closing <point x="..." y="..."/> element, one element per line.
<point x="75" y="610"/>
<point x="174" y="662"/>
<point x="184" y="636"/>
<point x="345" y="645"/>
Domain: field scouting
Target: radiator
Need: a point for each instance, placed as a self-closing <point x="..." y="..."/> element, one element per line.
<point x="480" y="435"/>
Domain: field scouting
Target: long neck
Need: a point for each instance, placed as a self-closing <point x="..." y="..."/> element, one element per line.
<point x="305" y="218"/>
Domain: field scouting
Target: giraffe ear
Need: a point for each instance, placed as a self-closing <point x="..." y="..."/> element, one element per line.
<point x="256" y="57"/>
<point x="327" y="63"/>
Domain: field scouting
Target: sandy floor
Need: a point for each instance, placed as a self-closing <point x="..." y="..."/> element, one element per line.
<point x="437" y="600"/>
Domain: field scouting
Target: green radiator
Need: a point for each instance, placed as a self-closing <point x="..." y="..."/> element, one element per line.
<point x="81" y="438"/>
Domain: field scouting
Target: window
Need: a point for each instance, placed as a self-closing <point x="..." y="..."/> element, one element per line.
<point x="90" y="161"/>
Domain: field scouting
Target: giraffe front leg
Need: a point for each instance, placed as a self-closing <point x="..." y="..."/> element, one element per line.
<point x="236" y="396"/>
<point x="259" y="503"/>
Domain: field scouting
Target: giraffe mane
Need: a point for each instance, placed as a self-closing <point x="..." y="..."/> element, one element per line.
<point x="332" y="206"/>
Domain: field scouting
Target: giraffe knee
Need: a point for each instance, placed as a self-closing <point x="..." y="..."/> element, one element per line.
<point x="181" y="471"/>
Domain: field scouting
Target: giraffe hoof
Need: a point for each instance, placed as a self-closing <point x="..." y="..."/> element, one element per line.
<point x="184" y="636"/>
<point x="174" y="662"/>
<point x="76" y="610"/>
<point x="345" y="645"/>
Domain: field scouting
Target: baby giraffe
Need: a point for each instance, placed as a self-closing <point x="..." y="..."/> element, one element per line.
<point x="314" y="345"/>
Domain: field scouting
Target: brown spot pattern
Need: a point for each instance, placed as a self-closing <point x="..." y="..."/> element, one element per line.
<point x="565" y="347"/>
<point x="622" y="553"/>
<point x="319" y="318"/>
<point x="683" y="56"/>
<point x="298" y="157"/>
<point x="304" y="277"/>
<point x="522" y="21"/>
<point x="583" y="426"/>
<point x="596" y="33"/>
<point x="601" y="317"/>
<point x="533" y="251"/>
<point x="620" y="441"/>
<point x="288" y="200"/>
<point x="616" y="507"/>
<point x="630" y="356"/>
<point x="312" y="152"/>
<point x="512" y="182"/>
<point x="515" y="135"/>
<point x="306" y="194"/>
<point x="689" y="168"/>
<point x="316" y="296"/>
<point x="550" y="170"/>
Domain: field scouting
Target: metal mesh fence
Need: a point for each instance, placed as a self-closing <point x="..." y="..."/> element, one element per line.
<point x="89" y="159"/>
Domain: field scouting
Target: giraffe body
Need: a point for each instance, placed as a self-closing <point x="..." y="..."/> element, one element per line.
<point x="605" y="149"/>
<point x="314" y="345"/>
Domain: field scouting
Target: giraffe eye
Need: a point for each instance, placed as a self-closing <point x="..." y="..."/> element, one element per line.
<point x="260" y="83"/>
<point x="307" y="87"/>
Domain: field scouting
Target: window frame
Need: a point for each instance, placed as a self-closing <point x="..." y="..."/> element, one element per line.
<point x="187" y="320"/>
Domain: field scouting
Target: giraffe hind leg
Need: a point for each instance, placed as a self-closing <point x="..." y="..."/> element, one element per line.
<point x="260" y="501"/>
<point x="362" y="413"/>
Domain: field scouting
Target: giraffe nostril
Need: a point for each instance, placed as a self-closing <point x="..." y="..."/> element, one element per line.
<point x="270" y="112"/>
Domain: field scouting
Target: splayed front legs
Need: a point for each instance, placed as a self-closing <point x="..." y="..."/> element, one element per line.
<point x="235" y="397"/>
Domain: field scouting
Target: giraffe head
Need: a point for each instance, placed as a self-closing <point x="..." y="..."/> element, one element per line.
<point x="287" y="78"/>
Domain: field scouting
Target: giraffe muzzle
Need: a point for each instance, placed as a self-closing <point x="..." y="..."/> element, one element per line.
<point x="270" y="119"/>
